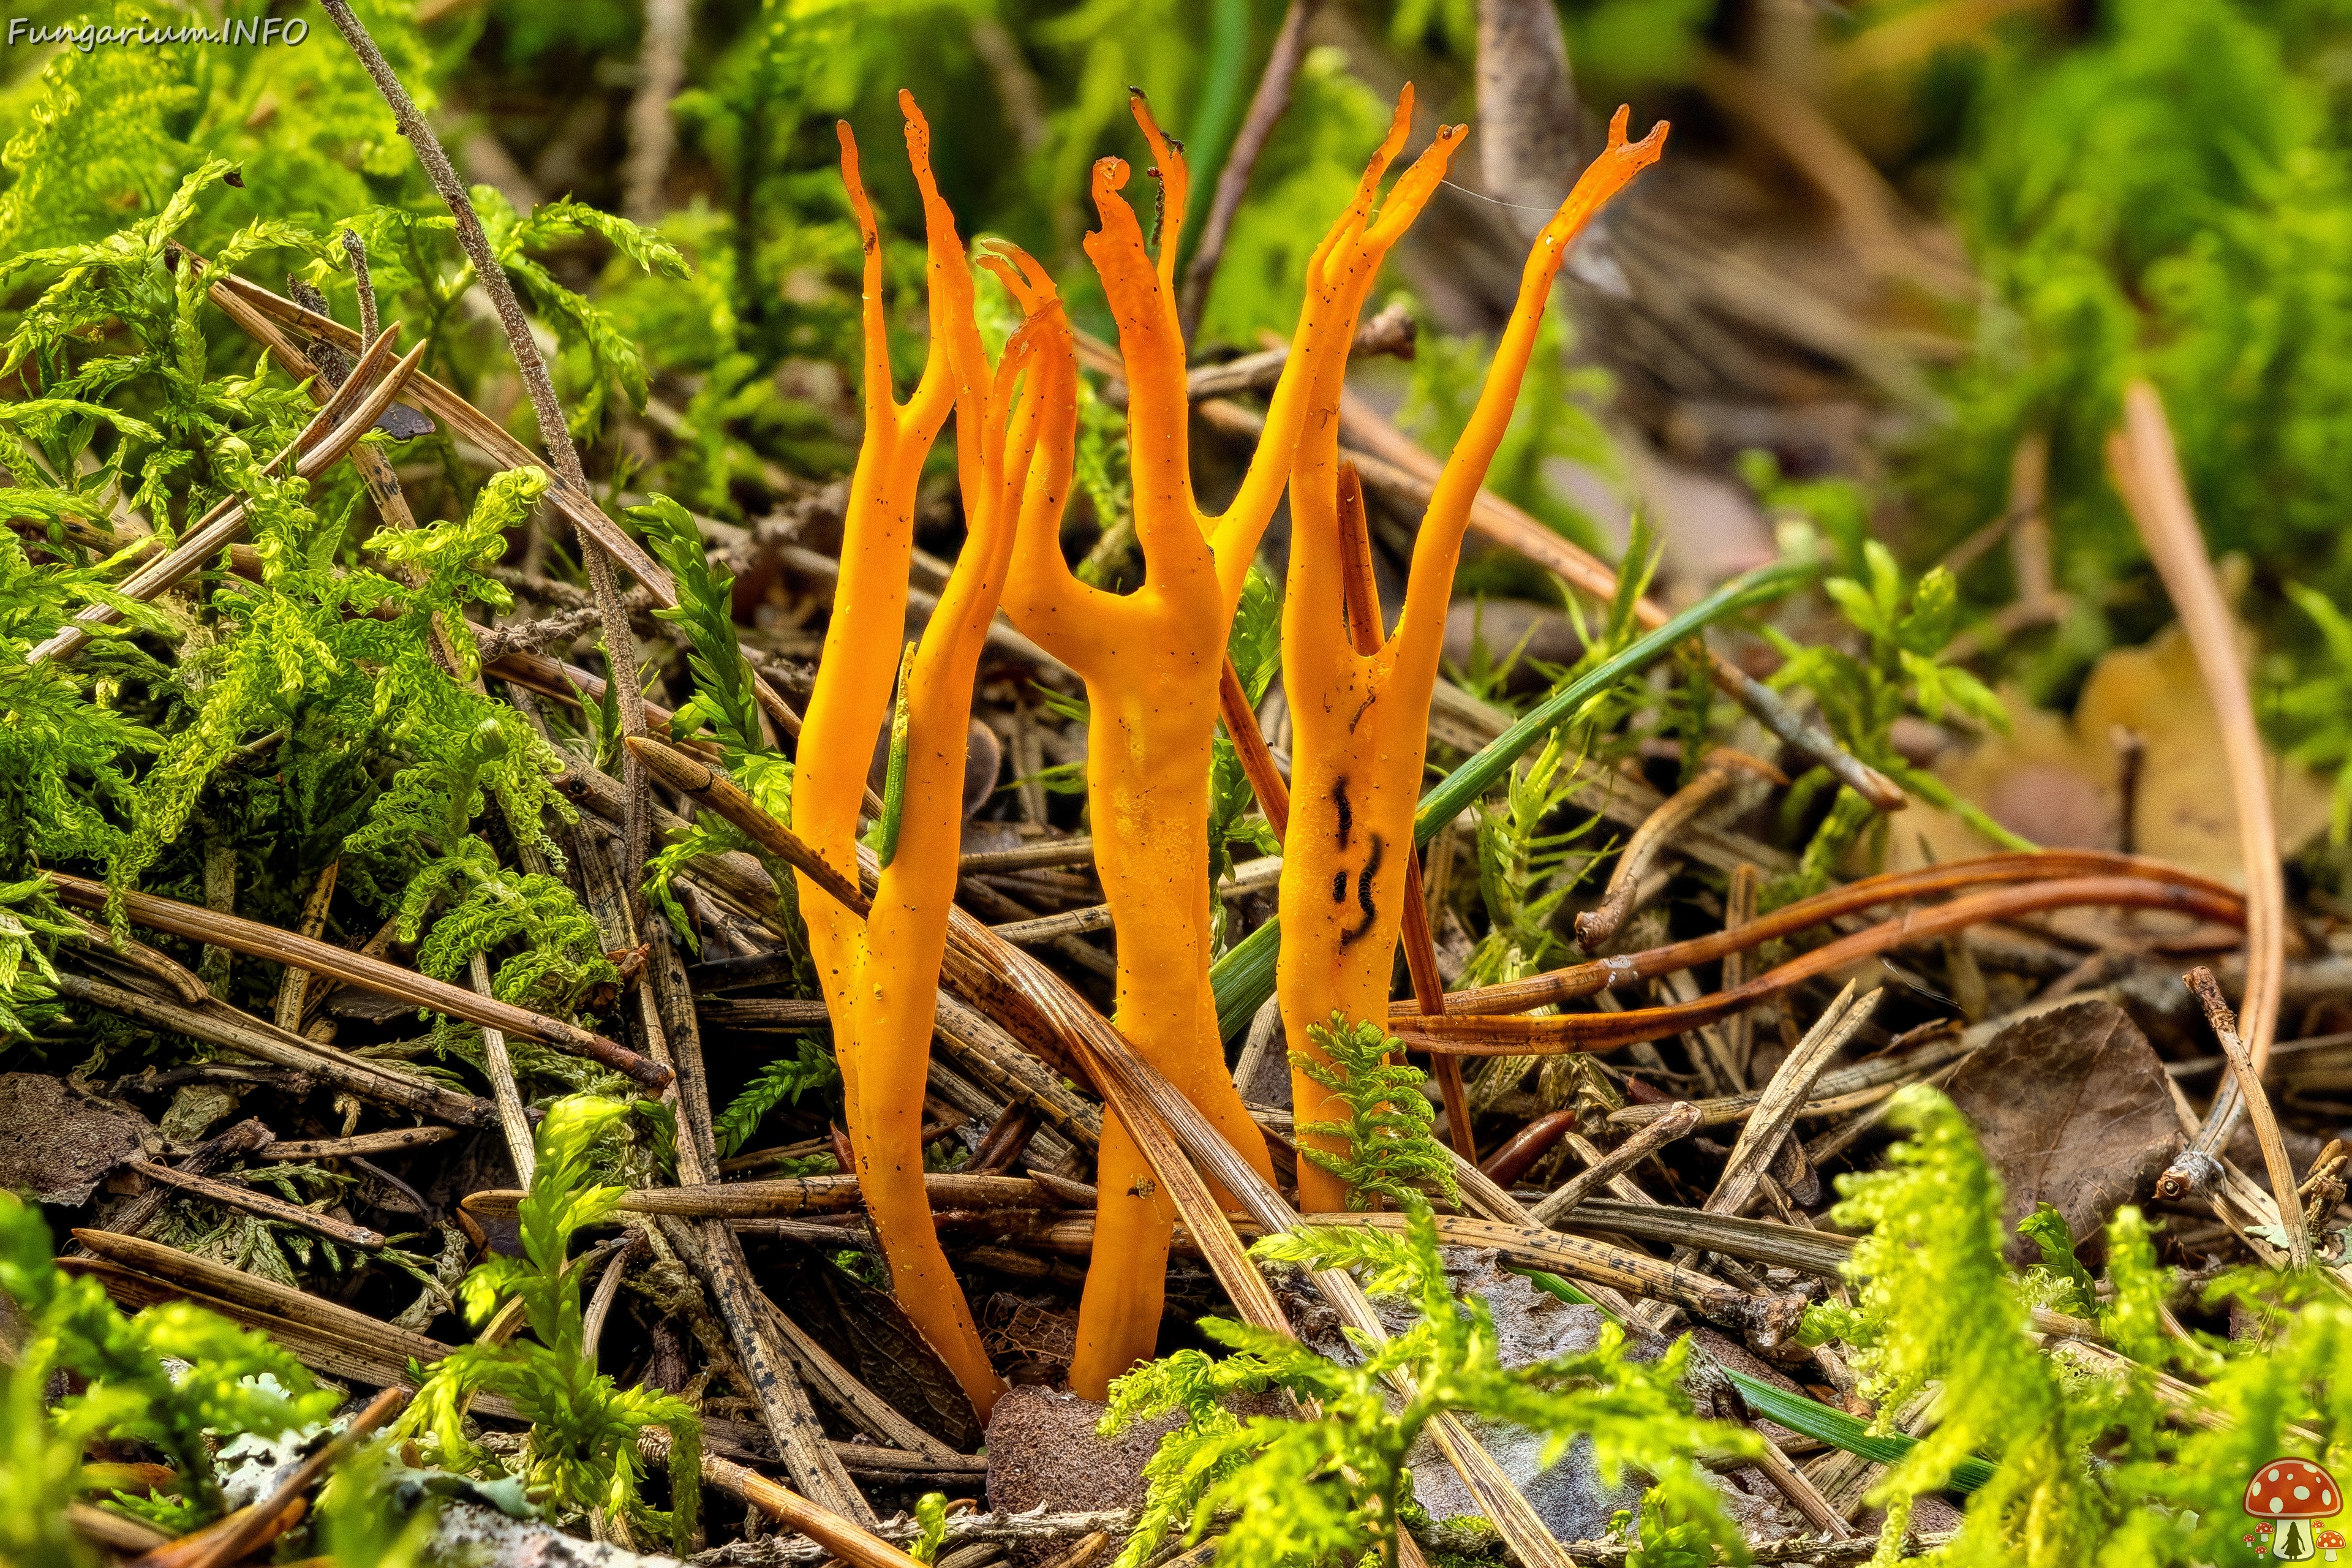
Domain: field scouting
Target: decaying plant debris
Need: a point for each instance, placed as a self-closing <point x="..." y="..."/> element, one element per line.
<point x="510" y="1060"/>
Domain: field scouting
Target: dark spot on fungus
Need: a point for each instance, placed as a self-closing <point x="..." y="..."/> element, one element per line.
<point x="1364" y="892"/>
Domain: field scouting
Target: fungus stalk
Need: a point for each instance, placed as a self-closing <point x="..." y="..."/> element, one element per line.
<point x="1015" y="429"/>
<point x="1360" y="721"/>
<point x="1151" y="661"/>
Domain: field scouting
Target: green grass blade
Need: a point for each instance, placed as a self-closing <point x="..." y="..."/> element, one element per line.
<point x="1475" y="777"/>
<point x="1828" y="1425"/>
<point x="1807" y="1417"/>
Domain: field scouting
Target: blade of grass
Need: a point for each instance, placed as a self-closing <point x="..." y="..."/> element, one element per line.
<point x="1243" y="978"/>
<point x="1807" y="1417"/>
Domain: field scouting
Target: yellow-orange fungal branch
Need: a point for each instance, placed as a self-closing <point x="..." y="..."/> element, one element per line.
<point x="1151" y="661"/>
<point x="1016" y="434"/>
<point x="1359" y="719"/>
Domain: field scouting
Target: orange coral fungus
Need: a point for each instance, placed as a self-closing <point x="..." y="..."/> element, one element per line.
<point x="1014" y="431"/>
<point x="1152" y="660"/>
<point x="1359" y="721"/>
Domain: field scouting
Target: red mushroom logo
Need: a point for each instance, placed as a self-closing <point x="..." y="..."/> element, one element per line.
<point x="2331" y="1541"/>
<point x="2289" y="1494"/>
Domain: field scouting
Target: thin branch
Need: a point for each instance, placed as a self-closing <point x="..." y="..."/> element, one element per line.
<point x="464" y="422"/>
<point x="255" y="939"/>
<point x="1784" y="1096"/>
<point x="391" y="1141"/>
<point x="1391" y="332"/>
<point x="255" y="1522"/>
<point x="294" y="984"/>
<point x="787" y="1196"/>
<point x="1266" y="108"/>
<point x="620" y="649"/>
<point x="844" y="1538"/>
<point x="501" y="1068"/>
<point x="230" y="1195"/>
<point x="1482" y="1035"/>
<point x="341" y="421"/>
<point x="2146" y="472"/>
<point x="355" y="250"/>
<point x="1680" y="1118"/>
<point x="216" y="1023"/>
<point x="1598" y="924"/>
<point x="243" y="1138"/>
<point x="2208" y="992"/>
<point x="608" y="1286"/>
<point x="1895" y="886"/>
<point x="1635" y="1273"/>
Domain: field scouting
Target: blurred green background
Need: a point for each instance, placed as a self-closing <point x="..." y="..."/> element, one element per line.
<point x="1897" y="265"/>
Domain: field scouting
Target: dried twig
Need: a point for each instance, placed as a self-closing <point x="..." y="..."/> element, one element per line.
<point x="1499" y="1036"/>
<point x="501" y="1067"/>
<point x="350" y="1344"/>
<point x="1265" y="110"/>
<point x="1835" y="1094"/>
<point x="238" y="1141"/>
<point x="620" y="649"/>
<point x="1391" y="332"/>
<point x="230" y="1195"/>
<point x="792" y="1195"/>
<point x="217" y="1023"/>
<point x="355" y="250"/>
<point x="1784" y="1096"/>
<point x="667" y="1020"/>
<point x="2146" y="472"/>
<point x="1598" y="923"/>
<point x="391" y="1141"/>
<point x="255" y="1522"/>
<point x="466" y="423"/>
<point x="997" y="1060"/>
<point x="2249" y="1078"/>
<point x="751" y="1327"/>
<point x="294" y="984"/>
<point x="1637" y="1273"/>
<point x="1739" y="1031"/>
<point x="1869" y="892"/>
<point x="1768" y="1242"/>
<point x="845" y="1537"/>
<point x="1069" y="922"/>
<point x="1678" y="1119"/>
<point x="257" y="941"/>
<point x="341" y="421"/>
<point x="1052" y="852"/>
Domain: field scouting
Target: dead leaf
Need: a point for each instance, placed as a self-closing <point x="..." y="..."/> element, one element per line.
<point x="2056" y="780"/>
<point x="58" y="1145"/>
<point x="2072" y="1110"/>
<point x="865" y="1330"/>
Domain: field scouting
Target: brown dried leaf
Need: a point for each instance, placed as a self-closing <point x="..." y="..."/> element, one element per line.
<point x="868" y="1332"/>
<point x="2073" y="1112"/>
<point x="57" y="1145"/>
